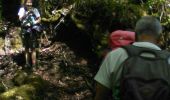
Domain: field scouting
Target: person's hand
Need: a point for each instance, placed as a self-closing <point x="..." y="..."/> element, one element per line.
<point x="28" y="24"/>
<point x="53" y="12"/>
<point x="30" y="12"/>
<point x="34" y="22"/>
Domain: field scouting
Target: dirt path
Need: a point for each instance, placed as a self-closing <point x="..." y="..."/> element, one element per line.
<point x="70" y="76"/>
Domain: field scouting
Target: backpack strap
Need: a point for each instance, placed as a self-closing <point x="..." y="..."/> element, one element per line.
<point x="137" y="51"/>
<point x="131" y="50"/>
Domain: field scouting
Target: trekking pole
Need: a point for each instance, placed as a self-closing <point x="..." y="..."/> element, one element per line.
<point x="63" y="13"/>
<point x="56" y="26"/>
<point x="45" y="39"/>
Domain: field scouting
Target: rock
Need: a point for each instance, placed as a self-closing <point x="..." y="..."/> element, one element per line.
<point x="2" y="72"/>
<point x="20" y="78"/>
<point x="2" y="52"/>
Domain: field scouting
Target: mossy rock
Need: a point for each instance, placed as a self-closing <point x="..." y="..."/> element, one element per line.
<point x="32" y="89"/>
<point x="36" y="81"/>
<point x="52" y="18"/>
<point x="20" y="78"/>
<point x="24" y="92"/>
<point x="2" y="88"/>
<point x="1" y="42"/>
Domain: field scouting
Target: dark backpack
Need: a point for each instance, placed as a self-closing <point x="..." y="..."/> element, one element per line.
<point x="28" y="21"/>
<point x="145" y="77"/>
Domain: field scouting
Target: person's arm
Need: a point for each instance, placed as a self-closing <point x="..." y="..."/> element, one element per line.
<point x="102" y="93"/>
<point x="107" y="75"/>
<point x="38" y="17"/>
<point x="38" y="20"/>
<point x="21" y="13"/>
<point x="20" y="18"/>
<point x="103" y="79"/>
<point x="24" y="16"/>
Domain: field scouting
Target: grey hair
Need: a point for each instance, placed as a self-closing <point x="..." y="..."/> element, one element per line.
<point x="148" y="25"/>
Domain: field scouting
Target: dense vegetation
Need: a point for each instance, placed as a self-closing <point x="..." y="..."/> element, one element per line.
<point x="97" y="18"/>
<point x="69" y="64"/>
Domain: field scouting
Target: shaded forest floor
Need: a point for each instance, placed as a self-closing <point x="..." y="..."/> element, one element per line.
<point x="69" y="76"/>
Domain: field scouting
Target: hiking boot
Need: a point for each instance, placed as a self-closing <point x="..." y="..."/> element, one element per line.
<point x="34" y="67"/>
<point x="38" y="63"/>
<point x="27" y="66"/>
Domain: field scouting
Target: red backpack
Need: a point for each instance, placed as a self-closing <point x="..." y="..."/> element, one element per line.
<point x="121" y="38"/>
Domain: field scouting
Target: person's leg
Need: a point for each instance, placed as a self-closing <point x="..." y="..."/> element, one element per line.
<point x="27" y="56"/>
<point x="33" y="56"/>
<point x="35" y="47"/>
<point x="26" y="44"/>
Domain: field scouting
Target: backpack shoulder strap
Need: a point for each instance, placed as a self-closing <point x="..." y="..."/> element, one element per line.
<point x="136" y="51"/>
<point x="165" y="54"/>
<point x="131" y="50"/>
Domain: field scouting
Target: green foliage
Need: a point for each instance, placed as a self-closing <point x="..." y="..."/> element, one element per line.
<point x="99" y="17"/>
<point x="127" y="14"/>
<point x="160" y="9"/>
<point x="95" y="11"/>
<point x="46" y="6"/>
<point x="31" y="89"/>
<point x="94" y="17"/>
<point x="152" y="2"/>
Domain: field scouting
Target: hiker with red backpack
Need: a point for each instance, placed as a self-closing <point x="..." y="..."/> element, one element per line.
<point x="120" y="38"/>
<point x="140" y="71"/>
<point x="117" y="39"/>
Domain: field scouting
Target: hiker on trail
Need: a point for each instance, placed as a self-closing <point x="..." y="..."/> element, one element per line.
<point x="140" y="71"/>
<point x="30" y="24"/>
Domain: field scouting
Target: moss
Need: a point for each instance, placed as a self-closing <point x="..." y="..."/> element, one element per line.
<point x="25" y="91"/>
<point x="1" y="43"/>
<point x="52" y="18"/>
<point x="31" y="90"/>
<point x="20" y="78"/>
<point x="2" y="88"/>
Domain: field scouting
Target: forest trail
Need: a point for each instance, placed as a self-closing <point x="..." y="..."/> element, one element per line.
<point x="69" y="77"/>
